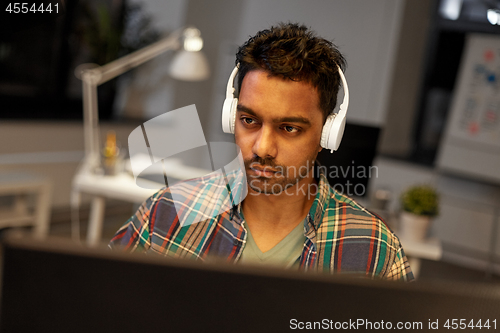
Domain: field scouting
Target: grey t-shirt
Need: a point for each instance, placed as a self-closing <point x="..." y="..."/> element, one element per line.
<point x="284" y="254"/>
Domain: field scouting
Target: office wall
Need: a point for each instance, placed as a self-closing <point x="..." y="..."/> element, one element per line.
<point x="407" y="75"/>
<point x="218" y="22"/>
<point x="150" y="92"/>
<point x="366" y="33"/>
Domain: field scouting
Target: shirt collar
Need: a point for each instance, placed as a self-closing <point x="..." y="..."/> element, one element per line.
<point x="321" y="201"/>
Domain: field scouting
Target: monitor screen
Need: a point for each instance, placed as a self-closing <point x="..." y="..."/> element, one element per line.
<point x="350" y="168"/>
<point x="59" y="287"/>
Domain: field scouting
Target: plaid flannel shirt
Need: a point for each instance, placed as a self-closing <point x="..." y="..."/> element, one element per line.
<point x="199" y="221"/>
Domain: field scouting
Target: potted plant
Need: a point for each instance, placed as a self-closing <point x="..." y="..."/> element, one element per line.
<point x="108" y="31"/>
<point x="420" y="204"/>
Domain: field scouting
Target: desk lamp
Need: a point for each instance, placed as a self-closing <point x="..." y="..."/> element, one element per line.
<point x="189" y="64"/>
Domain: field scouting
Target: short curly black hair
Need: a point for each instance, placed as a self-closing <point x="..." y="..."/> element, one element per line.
<point x="294" y="52"/>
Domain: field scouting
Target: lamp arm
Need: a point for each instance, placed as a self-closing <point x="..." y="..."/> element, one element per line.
<point x="94" y="77"/>
<point x="134" y="59"/>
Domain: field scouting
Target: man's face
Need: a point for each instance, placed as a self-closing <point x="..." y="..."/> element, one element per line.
<point x="278" y="129"/>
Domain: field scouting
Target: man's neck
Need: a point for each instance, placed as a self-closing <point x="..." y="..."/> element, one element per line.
<point x="271" y="217"/>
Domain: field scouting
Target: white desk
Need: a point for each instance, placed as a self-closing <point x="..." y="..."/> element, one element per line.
<point x="122" y="187"/>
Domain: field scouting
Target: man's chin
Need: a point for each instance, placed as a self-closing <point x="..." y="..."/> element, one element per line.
<point x="264" y="185"/>
<point x="266" y="191"/>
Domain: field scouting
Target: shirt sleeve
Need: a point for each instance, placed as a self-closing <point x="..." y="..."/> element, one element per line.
<point x="135" y="234"/>
<point x="400" y="269"/>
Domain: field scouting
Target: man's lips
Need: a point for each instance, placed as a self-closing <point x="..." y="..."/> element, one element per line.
<point x="263" y="171"/>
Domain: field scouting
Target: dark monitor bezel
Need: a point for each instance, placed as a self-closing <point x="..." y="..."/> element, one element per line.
<point x="57" y="286"/>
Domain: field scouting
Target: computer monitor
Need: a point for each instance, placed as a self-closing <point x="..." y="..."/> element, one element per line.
<point x="350" y="168"/>
<point x="58" y="287"/>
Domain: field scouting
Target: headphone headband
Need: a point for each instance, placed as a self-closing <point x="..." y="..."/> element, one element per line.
<point x="230" y="83"/>
<point x="345" y="102"/>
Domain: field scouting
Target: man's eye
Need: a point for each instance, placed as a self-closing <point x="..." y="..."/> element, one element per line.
<point x="248" y="121"/>
<point x="290" y="129"/>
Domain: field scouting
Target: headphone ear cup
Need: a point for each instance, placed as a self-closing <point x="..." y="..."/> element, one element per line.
<point x="333" y="130"/>
<point x="332" y="133"/>
<point x="234" y="106"/>
<point x="337" y="132"/>
<point x="229" y="114"/>
<point x="325" y="133"/>
<point x="230" y="105"/>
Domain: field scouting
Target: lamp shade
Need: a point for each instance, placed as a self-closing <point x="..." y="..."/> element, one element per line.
<point x="189" y="66"/>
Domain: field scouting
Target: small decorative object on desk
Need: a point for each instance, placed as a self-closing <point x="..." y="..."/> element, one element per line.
<point x="111" y="155"/>
<point x="420" y="204"/>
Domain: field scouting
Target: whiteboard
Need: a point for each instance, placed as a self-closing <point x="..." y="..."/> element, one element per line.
<point x="471" y="143"/>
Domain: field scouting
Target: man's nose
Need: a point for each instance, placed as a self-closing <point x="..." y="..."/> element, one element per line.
<point x="265" y="144"/>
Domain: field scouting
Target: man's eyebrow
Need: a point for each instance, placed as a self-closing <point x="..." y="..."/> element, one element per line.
<point x="300" y="120"/>
<point x="243" y="108"/>
<point x="291" y="119"/>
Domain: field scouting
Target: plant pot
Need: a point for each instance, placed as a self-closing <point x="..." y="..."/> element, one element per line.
<point x="414" y="227"/>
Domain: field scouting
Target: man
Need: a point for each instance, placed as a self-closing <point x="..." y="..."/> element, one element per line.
<point x="288" y="83"/>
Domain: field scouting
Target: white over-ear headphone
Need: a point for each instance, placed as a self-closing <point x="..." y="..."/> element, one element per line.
<point x="332" y="130"/>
